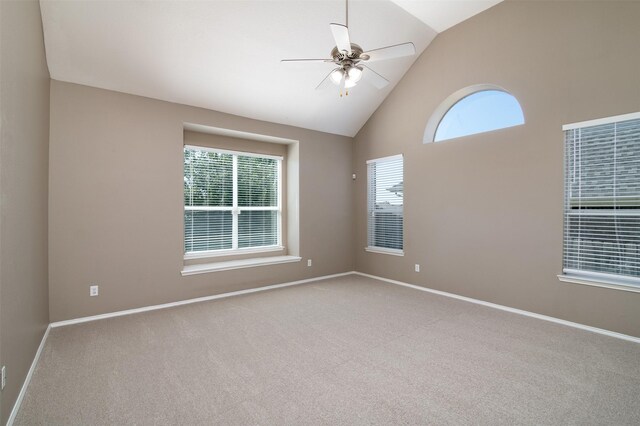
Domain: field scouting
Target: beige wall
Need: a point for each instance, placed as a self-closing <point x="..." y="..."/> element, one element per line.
<point x="24" y="135"/>
<point x="483" y="214"/>
<point x="116" y="212"/>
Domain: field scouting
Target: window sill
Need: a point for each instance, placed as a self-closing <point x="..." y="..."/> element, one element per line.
<point x="393" y="252"/>
<point x="612" y="284"/>
<point x="237" y="264"/>
<point x="219" y="253"/>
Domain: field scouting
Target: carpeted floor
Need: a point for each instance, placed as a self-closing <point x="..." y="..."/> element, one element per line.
<point x="350" y="350"/>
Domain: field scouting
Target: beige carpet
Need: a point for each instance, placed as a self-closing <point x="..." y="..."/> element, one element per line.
<point x="344" y="351"/>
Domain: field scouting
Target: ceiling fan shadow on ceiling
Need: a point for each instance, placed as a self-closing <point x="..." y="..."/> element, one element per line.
<point x="350" y="59"/>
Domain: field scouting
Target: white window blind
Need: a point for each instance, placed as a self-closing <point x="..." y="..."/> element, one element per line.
<point x="232" y="201"/>
<point x="385" y="204"/>
<point x="602" y="201"/>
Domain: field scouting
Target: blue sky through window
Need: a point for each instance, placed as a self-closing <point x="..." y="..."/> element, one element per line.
<point x="480" y="112"/>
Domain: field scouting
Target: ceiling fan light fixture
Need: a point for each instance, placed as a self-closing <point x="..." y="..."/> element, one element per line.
<point x="355" y="74"/>
<point x="350" y="59"/>
<point x="337" y="75"/>
<point x="349" y="82"/>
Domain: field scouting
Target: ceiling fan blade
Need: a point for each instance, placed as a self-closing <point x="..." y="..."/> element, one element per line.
<point x="304" y="61"/>
<point x="390" y="52"/>
<point x="341" y="35"/>
<point x="325" y="83"/>
<point x="373" y="77"/>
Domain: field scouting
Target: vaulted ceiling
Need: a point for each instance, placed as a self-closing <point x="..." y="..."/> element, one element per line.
<point x="225" y="55"/>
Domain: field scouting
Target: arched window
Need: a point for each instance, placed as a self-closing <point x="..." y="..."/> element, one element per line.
<point x="472" y="110"/>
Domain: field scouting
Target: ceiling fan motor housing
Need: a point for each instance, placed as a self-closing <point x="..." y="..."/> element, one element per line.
<point x="354" y="56"/>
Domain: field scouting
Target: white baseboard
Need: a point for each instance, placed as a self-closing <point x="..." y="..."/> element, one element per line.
<point x="324" y="277"/>
<point x="508" y="309"/>
<point x="27" y="380"/>
<point x="189" y="301"/>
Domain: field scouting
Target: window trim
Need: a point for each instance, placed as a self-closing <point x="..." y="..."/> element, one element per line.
<point x="600" y="121"/>
<point x="376" y="249"/>
<point x="450" y="101"/>
<point x="225" y="252"/>
<point x="230" y="265"/>
<point x="592" y="278"/>
<point x="599" y="282"/>
<point x="383" y="250"/>
<point x="236" y="210"/>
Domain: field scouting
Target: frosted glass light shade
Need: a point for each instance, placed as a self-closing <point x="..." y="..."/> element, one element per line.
<point x="349" y="83"/>
<point x="355" y="74"/>
<point x="337" y="75"/>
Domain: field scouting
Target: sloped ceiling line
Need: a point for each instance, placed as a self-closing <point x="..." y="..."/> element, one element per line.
<point x="225" y="55"/>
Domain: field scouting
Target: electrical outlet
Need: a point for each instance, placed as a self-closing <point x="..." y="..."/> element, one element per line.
<point x="4" y="376"/>
<point x="309" y="262"/>
<point x="93" y="290"/>
<point x="417" y="267"/>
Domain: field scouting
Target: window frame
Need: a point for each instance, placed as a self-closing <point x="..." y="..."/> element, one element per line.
<point x="450" y="101"/>
<point x="370" y="213"/>
<point x="236" y="210"/>
<point x="584" y="276"/>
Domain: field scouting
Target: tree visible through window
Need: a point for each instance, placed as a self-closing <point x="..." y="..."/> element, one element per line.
<point x="231" y="200"/>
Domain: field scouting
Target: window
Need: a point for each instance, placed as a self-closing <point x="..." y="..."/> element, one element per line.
<point x="602" y="200"/>
<point x="385" y="205"/>
<point x="232" y="202"/>
<point x="473" y="110"/>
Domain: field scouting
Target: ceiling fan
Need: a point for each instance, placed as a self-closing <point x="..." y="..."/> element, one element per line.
<point x="350" y="59"/>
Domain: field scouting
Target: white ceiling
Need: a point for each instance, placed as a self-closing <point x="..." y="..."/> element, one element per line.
<point x="444" y="14"/>
<point x="225" y="55"/>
